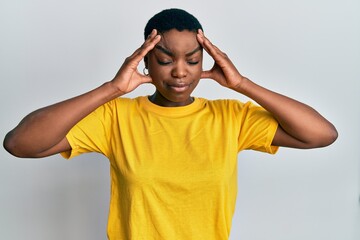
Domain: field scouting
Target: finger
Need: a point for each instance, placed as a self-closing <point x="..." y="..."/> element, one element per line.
<point x="146" y="47"/>
<point x="205" y="42"/>
<point x="209" y="47"/>
<point x="200" y="37"/>
<point x="152" y="33"/>
<point x="151" y="41"/>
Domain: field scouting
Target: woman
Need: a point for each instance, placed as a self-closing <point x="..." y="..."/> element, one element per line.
<point x="173" y="157"/>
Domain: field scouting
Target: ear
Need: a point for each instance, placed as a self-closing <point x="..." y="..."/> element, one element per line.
<point x="146" y="61"/>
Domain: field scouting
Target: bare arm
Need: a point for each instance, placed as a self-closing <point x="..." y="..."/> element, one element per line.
<point x="43" y="132"/>
<point x="300" y="125"/>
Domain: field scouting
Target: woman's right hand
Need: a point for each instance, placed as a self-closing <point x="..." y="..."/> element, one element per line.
<point x="43" y="132"/>
<point x="128" y="77"/>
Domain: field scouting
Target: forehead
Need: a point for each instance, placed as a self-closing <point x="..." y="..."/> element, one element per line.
<point x="176" y="41"/>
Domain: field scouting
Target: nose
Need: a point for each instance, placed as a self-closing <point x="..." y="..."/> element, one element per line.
<point x="179" y="70"/>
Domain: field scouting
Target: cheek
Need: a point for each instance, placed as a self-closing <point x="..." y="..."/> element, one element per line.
<point x="155" y="70"/>
<point x="158" y="73"/>
<point x="198" y="70"/>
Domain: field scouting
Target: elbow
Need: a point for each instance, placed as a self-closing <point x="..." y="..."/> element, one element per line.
<point x="332" y="136"/>
<point x="11" y="145"/>
<point x="327" y="138"/>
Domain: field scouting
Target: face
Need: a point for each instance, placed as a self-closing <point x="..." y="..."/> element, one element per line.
<point x="175" y="66"/>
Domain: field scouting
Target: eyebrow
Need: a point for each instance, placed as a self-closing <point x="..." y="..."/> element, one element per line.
<point x="169" y="53"/>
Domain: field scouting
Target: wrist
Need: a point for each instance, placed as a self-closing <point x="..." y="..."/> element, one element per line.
<point x="112" y="90"/>
<point x="242" y="85"/>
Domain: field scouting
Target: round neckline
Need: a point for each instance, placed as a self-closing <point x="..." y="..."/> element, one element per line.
<point x="170" y="111"/>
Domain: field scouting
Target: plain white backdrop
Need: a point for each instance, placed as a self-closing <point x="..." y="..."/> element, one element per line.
<point x="309" y="50"/>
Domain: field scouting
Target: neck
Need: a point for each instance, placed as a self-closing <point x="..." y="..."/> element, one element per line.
<point x="160" y="100"/>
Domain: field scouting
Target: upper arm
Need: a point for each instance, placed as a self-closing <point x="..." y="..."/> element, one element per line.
<point x="62" y="146"/>
<point x="319" y="139"/>
<point x="283" y="139"/>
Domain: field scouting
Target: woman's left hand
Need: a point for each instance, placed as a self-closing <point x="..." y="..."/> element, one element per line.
<point x="223" y="71"/>
<point x="300" y="125"/>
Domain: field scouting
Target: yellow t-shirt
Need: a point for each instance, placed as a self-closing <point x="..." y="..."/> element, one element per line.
<point x="173" y="169"/>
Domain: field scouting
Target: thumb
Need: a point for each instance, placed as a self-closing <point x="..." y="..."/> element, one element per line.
<point x="206" y="74"/>
<point x="145" y="79"/>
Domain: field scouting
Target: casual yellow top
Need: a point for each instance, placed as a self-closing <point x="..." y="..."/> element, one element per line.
<point x="173" y="169"/>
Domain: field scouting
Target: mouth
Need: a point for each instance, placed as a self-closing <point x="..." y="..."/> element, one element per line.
<point x="179" y="87"/>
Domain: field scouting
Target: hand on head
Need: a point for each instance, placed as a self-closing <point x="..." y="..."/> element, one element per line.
<point x="223" y="71"/>
<point x="128" y="77"/>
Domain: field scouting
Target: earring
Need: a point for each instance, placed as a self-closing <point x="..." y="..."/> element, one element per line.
<point x="146" y="71"/>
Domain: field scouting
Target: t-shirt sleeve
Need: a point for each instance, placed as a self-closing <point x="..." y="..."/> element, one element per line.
<point x="91" y="134"/>
<point x="257" y="129"/>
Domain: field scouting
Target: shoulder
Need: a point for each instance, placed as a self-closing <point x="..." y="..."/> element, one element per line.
<point x="223" y="104"/>
<point x="123" y="102"/>
<point x="111" y="107"/>
<point x="235" y="108"/>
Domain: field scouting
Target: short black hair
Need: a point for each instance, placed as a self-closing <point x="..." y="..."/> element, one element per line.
<point x="172" y="18"/>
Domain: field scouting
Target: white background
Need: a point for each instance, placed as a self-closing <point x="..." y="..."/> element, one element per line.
<point x="309" y="50"/>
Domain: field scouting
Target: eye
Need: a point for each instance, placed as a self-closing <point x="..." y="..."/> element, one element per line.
<point x="163" y="63"/>
<point x="193" y="62"/>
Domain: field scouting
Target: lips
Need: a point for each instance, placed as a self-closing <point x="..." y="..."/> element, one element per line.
<point x="179" y="87"/>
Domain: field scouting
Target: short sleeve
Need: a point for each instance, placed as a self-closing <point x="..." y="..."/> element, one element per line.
<point x="257" y="130"/>
<point x="92" y="133"/>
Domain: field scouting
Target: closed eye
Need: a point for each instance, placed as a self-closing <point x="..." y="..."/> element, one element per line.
<point x="163" y="63"/>
<point x="193" y="62"/>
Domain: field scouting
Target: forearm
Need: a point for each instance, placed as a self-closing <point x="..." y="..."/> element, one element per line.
<point x="297" y="119"/>
<point x="43" y="132"/>
<point x="300" y="125"/>
<point x="46" y="127"/>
